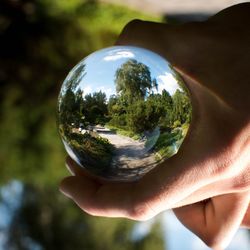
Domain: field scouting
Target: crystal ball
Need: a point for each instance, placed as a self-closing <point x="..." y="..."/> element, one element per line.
<point x="122" y="111"/>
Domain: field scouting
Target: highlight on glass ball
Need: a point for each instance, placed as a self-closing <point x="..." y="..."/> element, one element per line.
<point x="122" y="111"/>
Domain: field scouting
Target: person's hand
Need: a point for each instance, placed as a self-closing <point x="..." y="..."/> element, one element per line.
<point x="207" y="182"/>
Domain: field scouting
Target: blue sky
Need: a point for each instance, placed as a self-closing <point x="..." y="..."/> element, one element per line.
<point x="102" y="65"/>
<point x="11" y="196"/>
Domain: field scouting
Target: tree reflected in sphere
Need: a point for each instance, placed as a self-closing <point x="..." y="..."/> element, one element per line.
<point x="122" y="111"/>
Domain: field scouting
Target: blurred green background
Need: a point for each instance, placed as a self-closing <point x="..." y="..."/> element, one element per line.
<point x="40" y="41"/>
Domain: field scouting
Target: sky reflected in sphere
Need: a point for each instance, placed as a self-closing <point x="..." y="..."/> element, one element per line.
<point x="122" y="111"/>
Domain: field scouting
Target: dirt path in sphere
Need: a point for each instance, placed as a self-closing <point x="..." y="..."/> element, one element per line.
<point x="129" y="153"/>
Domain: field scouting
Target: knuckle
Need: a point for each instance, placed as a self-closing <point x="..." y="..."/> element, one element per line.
<point x="138" y="212"/>
<point x="141" y="211"/>
<point x="212" y="242"/>
<point x="215" y="240"/>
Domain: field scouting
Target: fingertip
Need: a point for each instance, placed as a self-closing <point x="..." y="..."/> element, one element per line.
<point x="124" y="35"/>
<point x="69" y="161"/>
<point x="133" y="23"/>
<point x="74" y="168"/>
<point x="68" y="166"/>
<point x="139" y="33"/>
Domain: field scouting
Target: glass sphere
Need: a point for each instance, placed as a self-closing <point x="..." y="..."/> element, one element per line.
<point x="122" y="111"/>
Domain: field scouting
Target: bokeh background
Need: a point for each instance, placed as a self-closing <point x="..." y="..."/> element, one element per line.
<point x="40" y="41"/>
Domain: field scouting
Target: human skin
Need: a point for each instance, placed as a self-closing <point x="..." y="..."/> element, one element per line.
<point x="207" y="183"/>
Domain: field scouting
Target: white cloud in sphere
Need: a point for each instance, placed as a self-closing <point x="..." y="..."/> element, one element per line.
<point x="167" y="82"/>
<point x="118" y="55"/>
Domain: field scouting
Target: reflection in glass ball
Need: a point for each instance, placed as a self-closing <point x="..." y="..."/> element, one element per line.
<point x="122" y="111"/>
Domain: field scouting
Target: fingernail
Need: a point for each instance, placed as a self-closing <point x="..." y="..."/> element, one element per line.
<point x="64" y="190"/>
<point x="68" y="160"/>
<point x="67" y="164"/>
